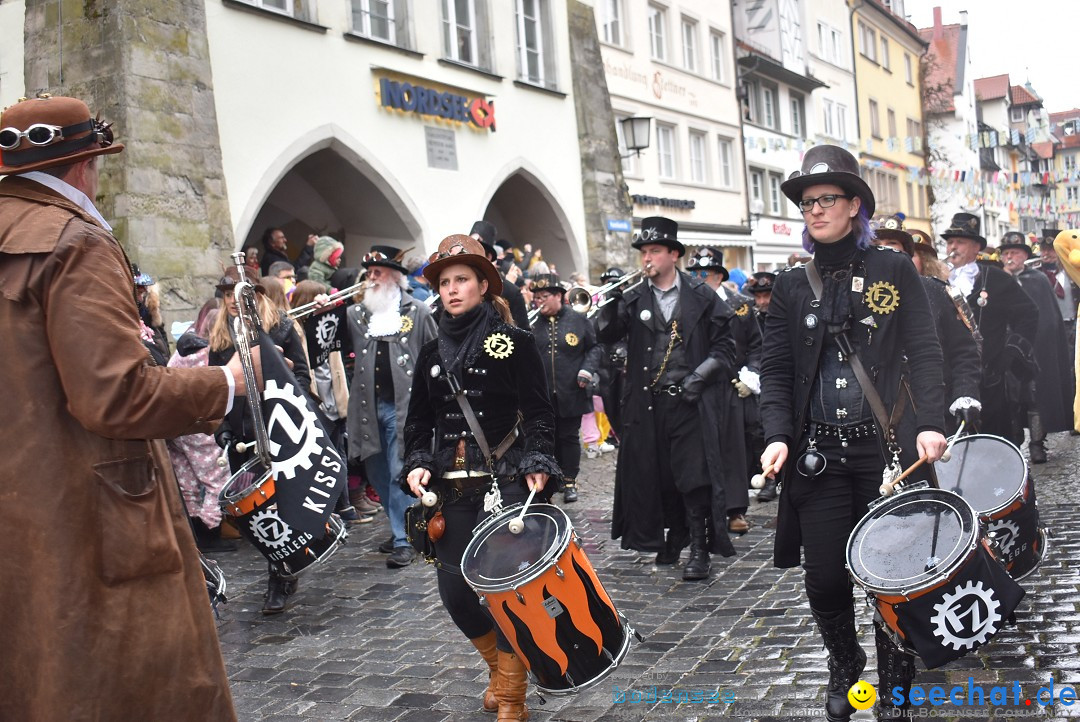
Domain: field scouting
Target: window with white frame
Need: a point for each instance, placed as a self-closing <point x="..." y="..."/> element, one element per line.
<point x="841" y="121"/>
<point x="611" y="21"/>
<point x="665" y="151"/>
<point x="1070" y="162"/>
<point x="535" y="52"/>
<point x="776" y="202"/>
<point x="1072" y="194"/>
<point x="768" y="106"/>
<point x="798" y="115"/>
<point x="629" y="160"/>
<point x="460" y="31"/>
<point x="885" y="62"/>
<point x="690" y="44"/>
<point x="909" y="73"/>
<point x="831" y="44"/>
<point x="890" y="114"/>
<point x="717" y="55"/>
<point x="725" y="154"/>
<point x="875" y="119"/>
<point x="281" y="6"/>
<point x="699" y="169"/>
<point x="828" y="118"/>
<point x="757" y="186"/>
<point x="1016" y="114"/>
<point x="867" y="41"/>
<point x="658" y="32"/>
<point x="914" y="131"/>
<point x="374" y="19"/>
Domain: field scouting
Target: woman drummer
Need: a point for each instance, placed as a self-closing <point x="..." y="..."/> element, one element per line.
<point x="479" y="350"/>
<point x="872" y="307"/>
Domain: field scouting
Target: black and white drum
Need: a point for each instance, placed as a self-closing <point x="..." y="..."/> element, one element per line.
<point x="990" y="472"/>
<point x="249" y="498"/>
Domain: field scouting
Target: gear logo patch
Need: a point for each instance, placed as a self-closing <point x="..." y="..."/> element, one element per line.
<point x="1004" y="532"/>
<point x="882" y="297"/>
<point x="270" y="530"/>
<point x="406" y="324"/>
<point x="326" y="330"/>
<point x="293" y="430"/>
<point x="967" y="616"/>
<point x="572" y="339"/>
<point x="499" y="346"/>
<point x="743" y="310"/>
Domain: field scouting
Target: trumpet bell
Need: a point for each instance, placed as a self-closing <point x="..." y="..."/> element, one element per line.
<point x="579" y="299"/>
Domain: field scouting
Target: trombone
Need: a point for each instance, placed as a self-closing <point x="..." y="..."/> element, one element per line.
<point x="317" y="306"/>
<point x="246" y="329"/>
<point x="581" y="300"/>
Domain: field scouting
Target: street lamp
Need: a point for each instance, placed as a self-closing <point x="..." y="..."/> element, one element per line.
<point x="757" y="207"/>
<point x="636" y="132"/>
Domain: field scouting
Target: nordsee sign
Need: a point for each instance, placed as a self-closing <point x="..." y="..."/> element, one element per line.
<point x="412" y="97"/>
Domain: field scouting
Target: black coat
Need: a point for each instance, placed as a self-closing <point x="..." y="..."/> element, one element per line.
<point x="498" y="385"/>
<point x="791" y="356"/>
<point x="1007" y="309"/>
<point x="638" y="517"/>
<point x="271" y="256"/>
<point x="1054" y="386"/>
<point x="963" y="363"/>
<point x="512" y="294"/>
<point x="746" y="332"/>
<point x="567" y="344"/>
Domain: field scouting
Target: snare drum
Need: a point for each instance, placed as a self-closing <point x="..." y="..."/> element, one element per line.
<point x="546" y="598"/>
<point x="929" y="574"/>
<point x="990" y="472"/>
<point x="248" y="497"/>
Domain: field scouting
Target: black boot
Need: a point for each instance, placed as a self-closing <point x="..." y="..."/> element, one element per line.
<point x="278" y="591"/>
<point x="1037" y="445"/>
<point x="676" y="541"/>
<point x="768" y="492"/>
<point x="698" y="565"/>
<point x="209" y="540"/>
<point x="569" y="492"/>
<point x="896" y="668"/>
<point x="847" y="661"/>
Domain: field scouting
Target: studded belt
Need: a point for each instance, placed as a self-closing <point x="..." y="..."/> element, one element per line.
<point x="852" y="431"/>
<point x="670" y="390"/>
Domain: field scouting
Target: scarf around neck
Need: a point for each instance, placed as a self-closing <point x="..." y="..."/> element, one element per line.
<point x="460" y="336"/>
<point x="835" y="262"/>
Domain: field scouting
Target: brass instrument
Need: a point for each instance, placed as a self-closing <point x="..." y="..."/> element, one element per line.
<point x="533" y="315"/>
<point x="316" y="306"/>
<point x="246" y="329"/>
<point x="580" y="298"/>
<point x="1035" y="262"/>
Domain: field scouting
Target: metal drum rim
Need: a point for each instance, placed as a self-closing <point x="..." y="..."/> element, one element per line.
<point x="482" y="532"/>
<point x="224" y="497"/>
<point x="944" y="572"/>
<point x="988" y="514"/>
<point x="340" y="532"/>
<point x="628" y="632"/>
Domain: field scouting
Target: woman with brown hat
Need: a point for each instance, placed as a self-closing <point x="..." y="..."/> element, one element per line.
<point x="496" y="364"/>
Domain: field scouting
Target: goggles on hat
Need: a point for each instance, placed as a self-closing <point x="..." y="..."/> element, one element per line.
<point x="649" y="234"/>
<point x="455" y="250"/>
<point x="43" y="134"/>
<point x="375" y="257"/>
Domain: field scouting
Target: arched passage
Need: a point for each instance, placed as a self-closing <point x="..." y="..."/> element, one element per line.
<point x="330" y="189"/>
<point x="525" y="211"/>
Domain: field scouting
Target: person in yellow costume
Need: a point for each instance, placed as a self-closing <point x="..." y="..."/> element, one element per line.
<point x="1067" y="246"/>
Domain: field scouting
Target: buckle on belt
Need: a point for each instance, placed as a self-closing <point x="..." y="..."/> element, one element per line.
<point x="670" y="390"/>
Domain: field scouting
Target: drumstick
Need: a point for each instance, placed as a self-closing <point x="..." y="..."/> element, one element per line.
<point x="242" y="446"/>
<point x="429" y="498"/>
<point x="889" y="488"/>
<point x="757" y="481"/>
<point x="947" y="454"/>
<point x="516" y="526"/>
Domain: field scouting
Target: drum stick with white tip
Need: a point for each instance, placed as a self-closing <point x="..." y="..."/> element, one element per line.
<point x="947" y="454"/>
<point x="242" y="446"/>
<point x="757" y="481"/>
<point x="516" y="526"/>
<point x="889" y="488"/>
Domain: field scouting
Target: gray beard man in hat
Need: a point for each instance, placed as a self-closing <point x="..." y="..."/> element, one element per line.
<point x="387" y="328"/>
<point x="97" y="547"/>
<point x="680" y="354"/>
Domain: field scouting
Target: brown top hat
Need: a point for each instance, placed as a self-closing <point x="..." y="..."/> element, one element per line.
<point x="231" y="278"/>
<point x="462" y="249"/>
<point x="829" y="165"/>
<point x="891" y="228"/>
<point x="48" y="131"/>
<point x="923" y="242"/>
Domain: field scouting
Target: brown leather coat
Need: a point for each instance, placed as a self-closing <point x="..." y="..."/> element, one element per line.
<point x="105" y="611"/>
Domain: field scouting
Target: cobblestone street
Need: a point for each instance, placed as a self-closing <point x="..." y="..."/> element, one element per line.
<point x="363" y="642"/>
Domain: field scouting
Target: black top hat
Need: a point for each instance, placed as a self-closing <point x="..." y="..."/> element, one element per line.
<point x="486" y="232"/>
<point x="760" y="282"/>
<point x="547" y="282"/>
<point x="1048" y="236"/>
<point x="1016" y="239"/>
<point x="660" y="231"/>
<point x="965" y="225"/>
<point x="385" y="256"/>
<point x="708" y="259"/>
<point x="611" y="274"/>
<point x="891" y="228"/>
<point x="829" y="165"/>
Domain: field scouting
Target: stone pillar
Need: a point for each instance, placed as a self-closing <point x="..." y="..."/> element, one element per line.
<point x="144" y="65"/>
<point x="604" y="190"/>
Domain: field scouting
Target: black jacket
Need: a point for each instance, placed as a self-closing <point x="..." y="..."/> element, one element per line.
<point x="791" y="356"/>
<point x="567" y="344"/>
<point x="503" y="377"/>
<point x="963" y="363"/>
<point x="710" y="352"/>
<point x="1054" y="386"/>
<point x="1006" y="309"/>
<point x="512" y="294"/>
<point x="746" y="332"/>
<point x="270" y="257"/>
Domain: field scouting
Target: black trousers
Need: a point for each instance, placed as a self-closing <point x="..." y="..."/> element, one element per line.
<point x="568" y="445"/>
<point x="457" y="596"/>
<point x="684" y="476"/>
<point x="829" y="506"/>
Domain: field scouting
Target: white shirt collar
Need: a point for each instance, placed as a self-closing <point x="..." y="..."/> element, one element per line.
<point x="70" y="192"/>
<point x="964" y="277"/>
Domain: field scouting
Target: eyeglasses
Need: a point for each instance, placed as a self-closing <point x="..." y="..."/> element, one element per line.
<point x="826" y="201"/>
<point x="42" y="134"/>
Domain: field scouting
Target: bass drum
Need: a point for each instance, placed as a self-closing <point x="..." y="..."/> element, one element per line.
<point x="546" y="598"/>
<point x="991" y="474"/>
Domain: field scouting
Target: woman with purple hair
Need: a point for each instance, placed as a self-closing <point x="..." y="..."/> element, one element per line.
<point x="871" y="306"/>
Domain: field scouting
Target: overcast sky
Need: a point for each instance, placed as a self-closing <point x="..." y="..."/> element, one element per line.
<point x="1031" y="40"/>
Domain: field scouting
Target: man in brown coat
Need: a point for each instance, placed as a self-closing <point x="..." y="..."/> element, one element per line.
<point x="106" y="614"/>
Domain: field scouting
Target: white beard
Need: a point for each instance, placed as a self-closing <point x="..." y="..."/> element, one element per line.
<point x="382" y="301"/>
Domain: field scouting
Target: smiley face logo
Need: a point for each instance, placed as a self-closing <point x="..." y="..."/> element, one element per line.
<point x="861" y="695"/>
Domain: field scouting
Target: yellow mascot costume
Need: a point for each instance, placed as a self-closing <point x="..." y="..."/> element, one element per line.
<point x="1067" y="245"/>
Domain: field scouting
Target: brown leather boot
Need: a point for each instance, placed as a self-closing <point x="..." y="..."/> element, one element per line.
<point x="486" y="647"/>
<point x="511" y="688"/>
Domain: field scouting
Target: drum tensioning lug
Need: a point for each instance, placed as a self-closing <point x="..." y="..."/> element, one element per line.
<point x="558" y="570"/>
<point x="519" y="597"/>
<point x="484" y="602"/>
<point x="576" y="539"/>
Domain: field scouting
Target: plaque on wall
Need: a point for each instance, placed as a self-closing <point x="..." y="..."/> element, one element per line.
<point x="441" y="148"/>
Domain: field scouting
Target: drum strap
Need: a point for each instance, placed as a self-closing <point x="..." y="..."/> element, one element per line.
<point x="876" y="404"/>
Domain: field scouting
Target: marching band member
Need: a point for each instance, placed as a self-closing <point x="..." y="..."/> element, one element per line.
<point x="567" y="345"/>
<point x="498" y="371"/>
<point x="680" y="352"/>
<point x="1001" y="310"/>
<point x="871" y="308"/>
